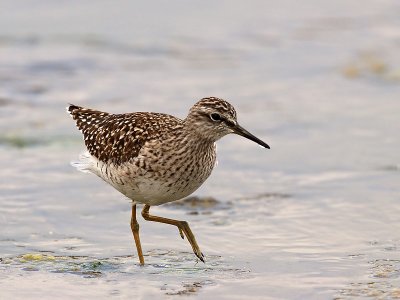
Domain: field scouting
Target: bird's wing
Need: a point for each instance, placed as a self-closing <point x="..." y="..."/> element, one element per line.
<point x="118" y="138"/>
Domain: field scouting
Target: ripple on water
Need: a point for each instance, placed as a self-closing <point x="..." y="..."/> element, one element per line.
<point x="382" y="280"/>
<point x="376" y="285"/>
<point x="178" y="274"/>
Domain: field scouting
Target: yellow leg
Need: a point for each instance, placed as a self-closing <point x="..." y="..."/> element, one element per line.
<point x="135" y="231"/>
<point x="183" y="227"/>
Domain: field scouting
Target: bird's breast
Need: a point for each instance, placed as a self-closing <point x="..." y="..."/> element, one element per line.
<point x="171" y="174"/>
<point x="161" y="174"/>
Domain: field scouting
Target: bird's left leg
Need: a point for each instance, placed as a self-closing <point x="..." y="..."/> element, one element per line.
<point x="135" y="231"/>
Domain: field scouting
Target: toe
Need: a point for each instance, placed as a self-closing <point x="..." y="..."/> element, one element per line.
<point x="200" y="256"/>
<point x="181" y="234"/>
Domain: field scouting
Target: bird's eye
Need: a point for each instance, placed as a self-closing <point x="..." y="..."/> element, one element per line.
<point x="215" y="117"/>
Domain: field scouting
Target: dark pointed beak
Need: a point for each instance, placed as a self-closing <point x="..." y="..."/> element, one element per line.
<point x="244" y="133"/>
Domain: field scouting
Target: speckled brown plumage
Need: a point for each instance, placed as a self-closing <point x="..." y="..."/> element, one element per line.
<point x="117" y="138"/>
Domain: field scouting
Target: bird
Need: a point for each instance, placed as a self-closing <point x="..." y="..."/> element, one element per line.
<point x="155" y="158"/>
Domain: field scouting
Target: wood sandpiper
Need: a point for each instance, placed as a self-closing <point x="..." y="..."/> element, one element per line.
<point x="155" y="158"/>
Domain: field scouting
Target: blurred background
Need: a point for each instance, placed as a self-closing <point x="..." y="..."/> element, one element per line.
<point x="315" y="217"/>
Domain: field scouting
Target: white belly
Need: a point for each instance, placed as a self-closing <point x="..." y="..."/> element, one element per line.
<point x="141" y="189"/>
<point x="151" y="192"/>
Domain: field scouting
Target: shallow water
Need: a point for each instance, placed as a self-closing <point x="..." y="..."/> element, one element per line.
<point x="315" y="217"/>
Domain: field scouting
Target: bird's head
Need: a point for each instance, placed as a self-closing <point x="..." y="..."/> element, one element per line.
<point x="212" y="118"/>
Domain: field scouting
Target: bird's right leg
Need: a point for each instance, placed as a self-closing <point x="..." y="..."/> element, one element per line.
<point x="135" y="231"/>
<point x="183" y="227"/>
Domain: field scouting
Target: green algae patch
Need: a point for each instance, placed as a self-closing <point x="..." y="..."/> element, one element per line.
<point x="86" y="267"/>
<point x="36" y="257"/>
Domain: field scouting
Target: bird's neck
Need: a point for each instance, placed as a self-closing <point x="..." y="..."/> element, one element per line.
<point x="191" y="132"/>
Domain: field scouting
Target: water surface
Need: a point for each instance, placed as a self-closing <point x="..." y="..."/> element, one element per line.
<point x="315" y="217"/>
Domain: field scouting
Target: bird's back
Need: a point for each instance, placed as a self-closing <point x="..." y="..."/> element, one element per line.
<point x="118" y="138"/>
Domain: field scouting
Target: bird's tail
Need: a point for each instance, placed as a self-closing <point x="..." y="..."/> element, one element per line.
<point x="73" y="110"/>
<point x="85" y="117"/>
<point x="85" y="162"/>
